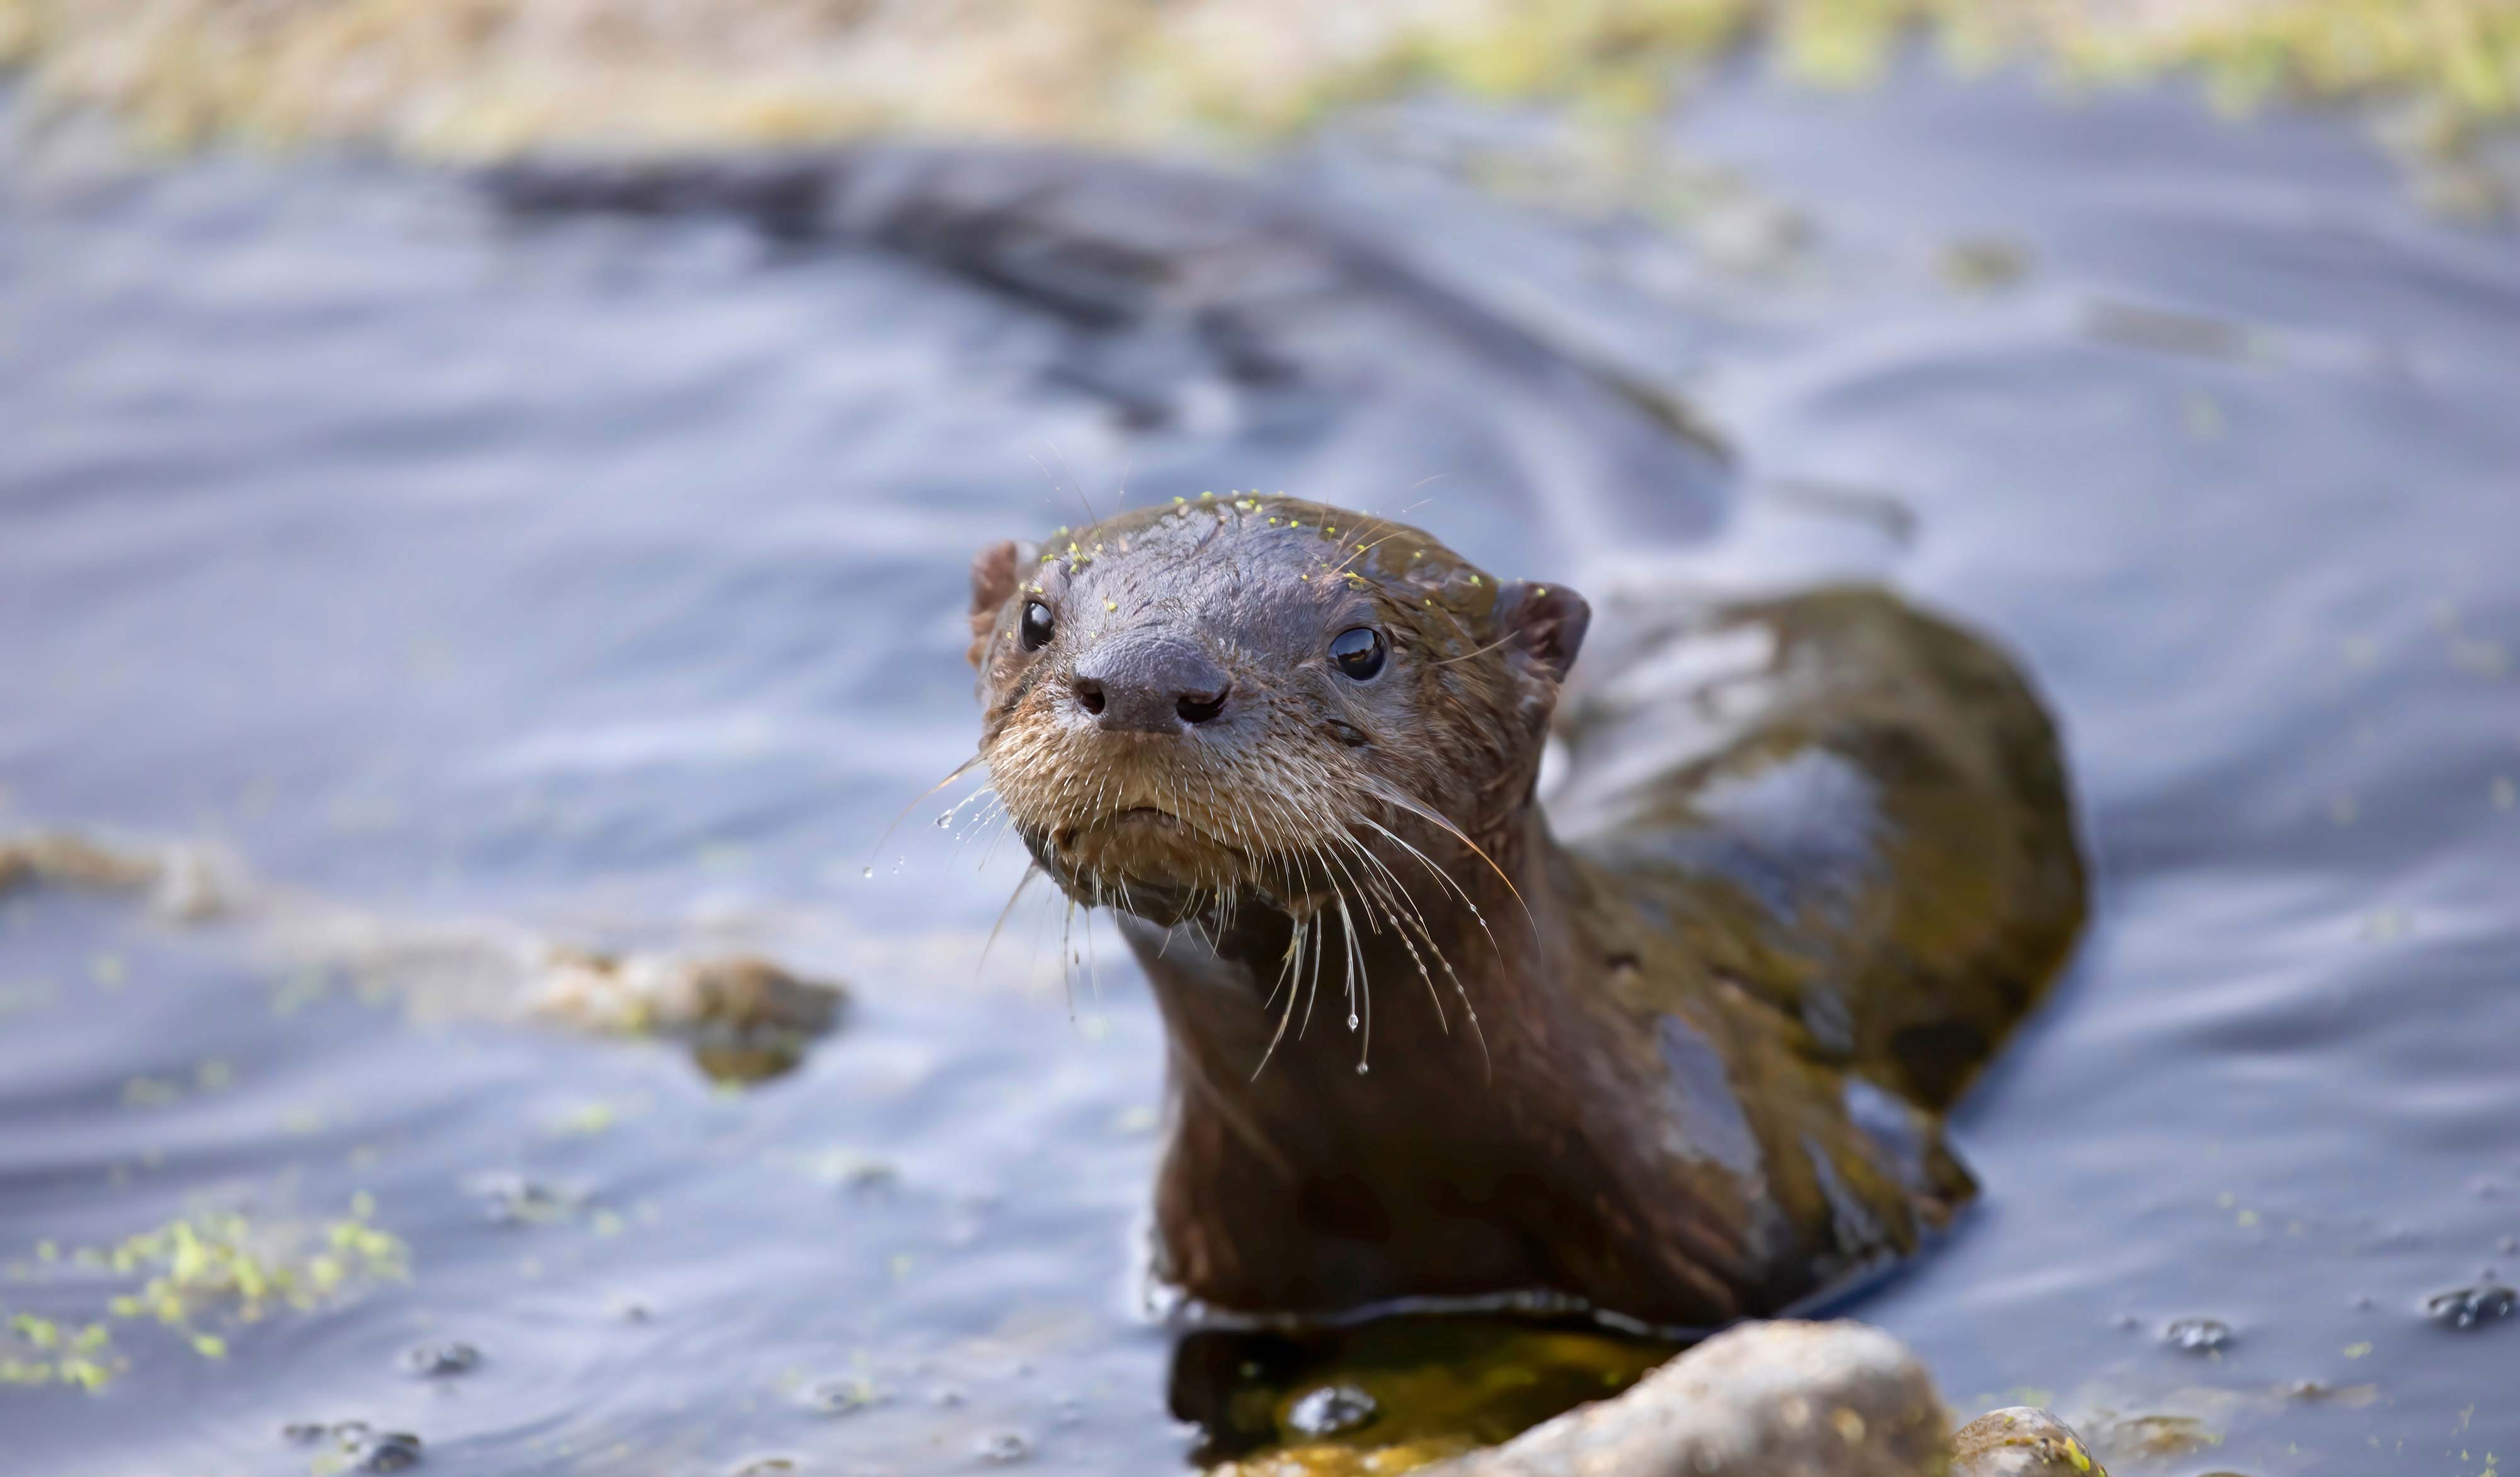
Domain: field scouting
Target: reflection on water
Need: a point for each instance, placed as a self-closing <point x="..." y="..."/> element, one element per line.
<point x="1429" y="1387"/>
<point x="602" y="579"/>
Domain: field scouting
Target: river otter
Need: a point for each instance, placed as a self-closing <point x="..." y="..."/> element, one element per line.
<point x="1677" y="1059"/>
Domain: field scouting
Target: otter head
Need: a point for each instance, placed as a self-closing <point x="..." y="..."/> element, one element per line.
<point x="1232" y="698"/>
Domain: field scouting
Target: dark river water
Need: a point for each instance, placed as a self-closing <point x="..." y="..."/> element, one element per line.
<point x="602" y="579"/>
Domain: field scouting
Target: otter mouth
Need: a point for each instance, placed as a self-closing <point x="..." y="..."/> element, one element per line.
<point x="1150" y="819"/>
<point x="1141" y="849"/>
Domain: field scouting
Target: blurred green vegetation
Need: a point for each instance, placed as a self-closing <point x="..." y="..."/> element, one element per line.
<point x="482" y="78"/>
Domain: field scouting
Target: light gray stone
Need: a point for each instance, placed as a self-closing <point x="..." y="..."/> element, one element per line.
<point x="1763" y="1400"/>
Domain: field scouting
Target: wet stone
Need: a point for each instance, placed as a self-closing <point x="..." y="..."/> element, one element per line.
<point x="841" y="1397"/>
<point x="511" y="1199"/>
<point x="2467" y="1306"/>
<point x="2198" y="1335"/>
<point x="386" y="1452"/>
<point x="1003" y="1447"/>
<point x="1331" y="1410"/>
<point x="433" y="1361"/>
<point x="2021" y="1441"/>
<point x="1761" y="1399"/>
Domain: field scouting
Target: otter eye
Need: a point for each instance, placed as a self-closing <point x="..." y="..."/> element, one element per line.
<point x="1037" y="625"/>
<point x="1358" y="651"/>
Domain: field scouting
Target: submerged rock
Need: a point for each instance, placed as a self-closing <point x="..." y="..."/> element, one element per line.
<point x="743" y="1017"/>
<point x="2198" y="1335"/>
<point x="2021" y="1441"/>
<point x="386" y="1452"/>
<point x="2467" y="1306"/>
<point x="1763" y="1400"/>
<point x="1330" y="1411"/>
<point x="1003" y="1447"/>
<point x="184" y="883"/>
<point x="362" y="1448"/>
<point x="431" y="1361"/>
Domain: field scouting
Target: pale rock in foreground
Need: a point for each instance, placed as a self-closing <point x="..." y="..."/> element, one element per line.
<point x="1772" y="1399"/>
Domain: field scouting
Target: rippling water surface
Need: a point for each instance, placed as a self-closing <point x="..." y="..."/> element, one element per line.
<point x="603" y="578"/>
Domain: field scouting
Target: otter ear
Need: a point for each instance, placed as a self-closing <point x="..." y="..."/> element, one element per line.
<point x="1546" y="623"/>
<point x="993" y="584"/>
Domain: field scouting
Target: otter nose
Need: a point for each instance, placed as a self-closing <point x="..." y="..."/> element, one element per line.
<point x="1149" y="685"/>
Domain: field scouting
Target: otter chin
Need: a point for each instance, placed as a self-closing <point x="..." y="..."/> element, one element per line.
<point x="1673" y="1055"/>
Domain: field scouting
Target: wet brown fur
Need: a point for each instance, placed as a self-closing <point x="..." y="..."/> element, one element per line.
<point x="1685" y="1066"/>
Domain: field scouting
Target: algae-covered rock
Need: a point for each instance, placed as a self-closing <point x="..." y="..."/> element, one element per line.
<point x="184" y="882"/>
<point x="1772" y="1399"/>
<point x="743" y="1017"/>
<point x="2021" y="1441"/>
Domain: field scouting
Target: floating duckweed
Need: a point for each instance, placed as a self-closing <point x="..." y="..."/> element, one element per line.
<point x="586" y="1120"/>
<point x="38" y="1351"/>
<point x="218" y="1263"/>
<point x="149" y="1091"/>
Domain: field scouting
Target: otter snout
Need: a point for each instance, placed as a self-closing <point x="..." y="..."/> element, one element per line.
<point x="1150" y="684"/>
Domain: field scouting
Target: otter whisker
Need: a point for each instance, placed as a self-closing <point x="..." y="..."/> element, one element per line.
<point x="1012" y="898"/>
<point x="1392" y="796"/>
<point x="1442" y="875"/>
<point x="958" y="771"/>
<point x="1446" y="661"/>
<point x="1401" y="908"/>
<point x="1066" y="974"/>
<point x="1380" y="881"/>
<point x="1355" y="983"/>
<point x="1287" y="969"/>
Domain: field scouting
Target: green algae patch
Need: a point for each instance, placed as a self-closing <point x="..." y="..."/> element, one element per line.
<point x="225" y="1263"/>
<point x="197" y="1278"/>
<point x="485" y="79"/>
<point x="1391" y="1395"/>
<point x="38" y="1351"/>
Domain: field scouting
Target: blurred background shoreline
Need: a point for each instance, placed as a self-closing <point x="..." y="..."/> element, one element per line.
<point x="484" y="79"/>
